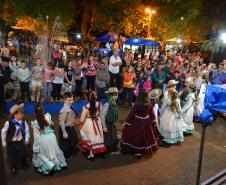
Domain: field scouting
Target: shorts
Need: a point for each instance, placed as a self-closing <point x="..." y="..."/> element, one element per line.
<point x="35" y="83"/>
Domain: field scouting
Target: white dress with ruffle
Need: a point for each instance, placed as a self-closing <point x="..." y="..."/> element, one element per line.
<point x="47" y="156"/>
<point x="171" y="125"/>
<point x="188" y="113"/>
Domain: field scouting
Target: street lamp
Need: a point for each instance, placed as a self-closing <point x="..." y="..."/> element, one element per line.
<point x="223" y="37"/>
<point x="78" y="36"/>
<point x="150" y="13"/>
<point x="179" y="40"/>
<point x="47" y="35"/>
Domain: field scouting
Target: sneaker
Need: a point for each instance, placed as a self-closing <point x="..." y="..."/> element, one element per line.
<point x="129" y="107"/>
<point x="13" y="172"/>
<point x="163" y="144"/>
<point x="91" y="158"/>
<point x="106" y="156"/>
<point x="137" y="156"/>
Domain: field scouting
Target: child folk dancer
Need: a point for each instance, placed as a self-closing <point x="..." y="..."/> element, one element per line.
<point x="140" y="134"/>
<point x="154" y="96"/>
<point x="91" y="128"/>
<point x="199" y="106"/>
<point x="47" y="156"/>
<point x="15" y="137"/>
<point x="188" y="108"/>
<point x="110" y="120"/>
<point x="171" y="124"/>
<point x="67" y="135"/>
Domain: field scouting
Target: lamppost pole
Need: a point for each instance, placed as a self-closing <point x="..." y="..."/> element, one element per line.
<point x="149" y="24"/>
<point x="2" y="166"/>
<point x="47" y="35"/>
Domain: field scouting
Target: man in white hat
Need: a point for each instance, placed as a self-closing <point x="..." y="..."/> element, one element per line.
<point x="15" y="135"/>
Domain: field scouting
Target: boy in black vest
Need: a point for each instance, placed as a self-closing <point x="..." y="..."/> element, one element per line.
<point x="15" y="137"/>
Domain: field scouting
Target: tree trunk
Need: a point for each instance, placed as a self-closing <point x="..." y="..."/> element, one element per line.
<point x="89" y="11"/>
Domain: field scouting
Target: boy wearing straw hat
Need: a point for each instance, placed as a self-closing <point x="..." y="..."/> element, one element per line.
<point x="15" y="136"/>
<point x="110" y="120"/>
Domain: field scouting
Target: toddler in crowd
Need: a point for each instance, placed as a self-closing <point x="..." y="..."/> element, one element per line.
<point x="147" y="84"/>
<point x="48" y="79"/>
<point x="37" y="80"/>
<point x="24" y="78"/>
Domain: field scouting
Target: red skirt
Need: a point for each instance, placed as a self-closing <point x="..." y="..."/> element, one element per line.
<point x="139" y="136"/>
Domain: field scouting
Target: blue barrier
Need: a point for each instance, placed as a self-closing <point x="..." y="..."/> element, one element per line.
<point x="52" y="108"/>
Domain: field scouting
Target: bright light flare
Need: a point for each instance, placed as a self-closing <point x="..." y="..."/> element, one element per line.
<point x="78" y="36"/>
<point x="223" y="37"/>
<point x="179" y="40"/>
<point x="149" y="11"/>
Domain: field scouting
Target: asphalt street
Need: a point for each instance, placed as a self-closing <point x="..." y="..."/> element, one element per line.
<point x="176" y="165"/>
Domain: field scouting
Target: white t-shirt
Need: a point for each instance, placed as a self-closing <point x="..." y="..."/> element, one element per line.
<point x="113" y="60"/>
<point x="58" y="79"/>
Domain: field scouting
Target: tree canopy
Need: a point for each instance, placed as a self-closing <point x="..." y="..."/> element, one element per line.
<point x="188" y="19"/>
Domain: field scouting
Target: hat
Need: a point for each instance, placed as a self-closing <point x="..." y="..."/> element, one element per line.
<point x="172" y="83"/>
<point x="112" y="90"/>
<point x="188" y="81"/>
<point x="155" y="93"/>
<point x="14" y="108"/>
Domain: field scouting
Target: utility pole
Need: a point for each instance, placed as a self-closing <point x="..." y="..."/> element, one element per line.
<point x="2" y="166"/>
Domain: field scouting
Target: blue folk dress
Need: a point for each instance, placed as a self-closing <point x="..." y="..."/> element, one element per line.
<point x="47" y="156"/>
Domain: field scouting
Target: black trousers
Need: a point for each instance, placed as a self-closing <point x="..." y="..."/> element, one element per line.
<point x="110" y="138"/>
<point x="68" y="146"/>
<point x="91" y="82"/>
<point x="24" y="90"/>
<point x="16" y="151"/>
<point x="56" y="92"/>
<point x="101" y="93"/>
<point x="2" y="100"/>
<point x="115" y="80"/>
<point x="78" y="88"/>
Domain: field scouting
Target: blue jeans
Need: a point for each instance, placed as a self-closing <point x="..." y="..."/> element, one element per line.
<point x="128" y="91"/>
<point x="48" y="90"/>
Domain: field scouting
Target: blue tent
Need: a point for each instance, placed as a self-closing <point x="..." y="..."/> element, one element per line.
<point x="105" y="38"/>
<point x="140" y="42"/>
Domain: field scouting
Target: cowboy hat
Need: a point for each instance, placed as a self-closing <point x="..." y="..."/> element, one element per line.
<point x="112" y="90"/>
<point x="155" y="93"/>
<point x="188" y="81"/>
<point x="14" y="108"/>
<point x="172" y="83"/>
